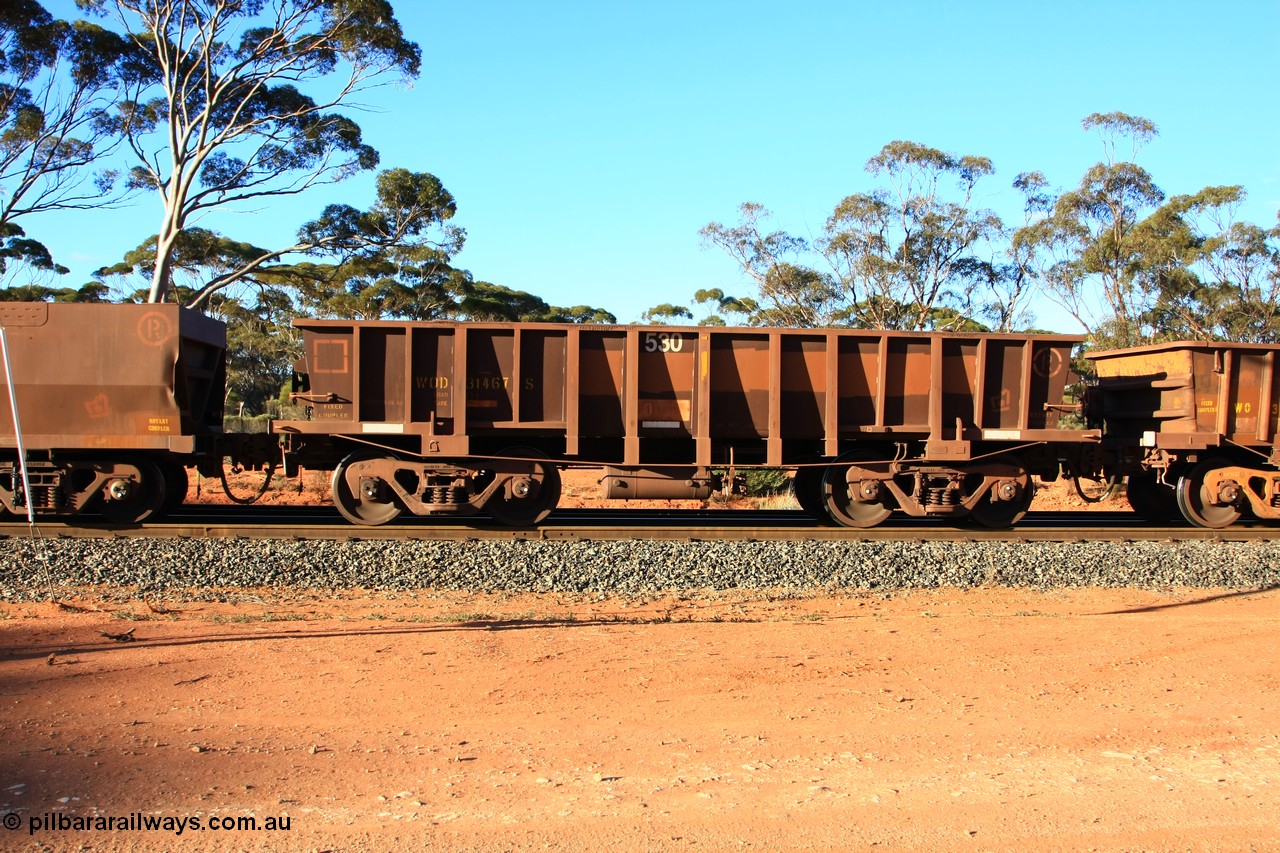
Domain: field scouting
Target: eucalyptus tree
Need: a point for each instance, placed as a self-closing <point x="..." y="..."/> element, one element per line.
<point x="483" y="300"/>
<point x="1240" y="287"/>
<point x="908" y="254"/>
<point x="1008" y="282"/>
<point x="405" y="233"/>
<point x="791" y="293"/>
<point x="1093" y="255"/>
<point x="720" y="305"/>
<point x="220" y="118"/>
<point x="740" y="311"/>
<point x="1132" y="265"/>
<point x="580" y="314"/>
<point x="1218" y="278"/>
<point x="57" y="79"/>
<point x="667" y="313"/>
<point x="418" y="282"/>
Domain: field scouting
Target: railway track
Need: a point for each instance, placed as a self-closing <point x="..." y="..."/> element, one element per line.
<point x="324" y="523"/>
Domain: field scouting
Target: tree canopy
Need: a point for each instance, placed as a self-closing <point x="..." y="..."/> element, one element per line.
<point x="57" y="80"/>
<point x="1129" y="263"/>
<point x="911" y="253"/>
<point x="218" y="116"/>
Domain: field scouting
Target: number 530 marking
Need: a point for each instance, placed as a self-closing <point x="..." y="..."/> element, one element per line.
<point x="663" y="342"/>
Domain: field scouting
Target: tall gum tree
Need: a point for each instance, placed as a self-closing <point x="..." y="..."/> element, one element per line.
<point x="1133" y="266"/>
<point x="1092" y="253"/>
<point x="905" y="254"/>
<point x="403" y="239"/>
<point x="908" y="254"/>
<point x="1217" y="278"/>
<point x="791" y="293"/>
<point x="219" y="118"/>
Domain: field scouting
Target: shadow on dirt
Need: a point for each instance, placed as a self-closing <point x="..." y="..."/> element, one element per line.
<point x="1153" y="608"/>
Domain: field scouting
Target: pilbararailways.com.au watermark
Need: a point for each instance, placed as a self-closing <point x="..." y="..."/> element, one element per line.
<point x="140" y="822"/>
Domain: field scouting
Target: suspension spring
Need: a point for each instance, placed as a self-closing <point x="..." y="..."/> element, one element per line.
<point x="941" y="496"/>
<point x="447" y="495"/>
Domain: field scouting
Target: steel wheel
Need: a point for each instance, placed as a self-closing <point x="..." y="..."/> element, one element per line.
<point x="1150" y="498"/>
<point x="175" y="486"/>
<point x="874" y="503"/>
<point x="1198" y="505"/>
<point x="526" y="501"/>
<point x="130" y="500"/>
<point x="807" y="487"/>
<point x="1009" y="499"/>
<point x="363" y="500"/>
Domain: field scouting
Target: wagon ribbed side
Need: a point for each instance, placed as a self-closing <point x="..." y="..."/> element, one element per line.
<point x="660" y="407"/>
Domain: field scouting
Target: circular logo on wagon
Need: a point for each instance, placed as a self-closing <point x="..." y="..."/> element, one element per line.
<point x="154" y="328"/>
<point x="1046" y="362"/>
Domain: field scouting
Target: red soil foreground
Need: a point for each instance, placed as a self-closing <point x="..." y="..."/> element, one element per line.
<point x="945" y="720"/>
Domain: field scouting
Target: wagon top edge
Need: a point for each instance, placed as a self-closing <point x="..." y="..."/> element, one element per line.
<point x="758" y="331"/>
<point x="153" y="321"/>
<point x="1178" y="346"/>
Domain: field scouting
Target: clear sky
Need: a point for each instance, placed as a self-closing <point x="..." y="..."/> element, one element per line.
<point x="588" y="142"/>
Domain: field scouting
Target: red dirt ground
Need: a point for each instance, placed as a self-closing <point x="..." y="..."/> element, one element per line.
<point x="943" y="720"/>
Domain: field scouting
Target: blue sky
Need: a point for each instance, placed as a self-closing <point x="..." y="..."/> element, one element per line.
<point x="587" y="142"/>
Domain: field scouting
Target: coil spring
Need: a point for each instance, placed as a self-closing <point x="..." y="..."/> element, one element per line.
<point x="45" y="497"/>
<point x="941" y="497"/>
<point x="447" y="495"/>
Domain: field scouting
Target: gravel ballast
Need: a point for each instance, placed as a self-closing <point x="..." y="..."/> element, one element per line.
<point x="29" y="567"/>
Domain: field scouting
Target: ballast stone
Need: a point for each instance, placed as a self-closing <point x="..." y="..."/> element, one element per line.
<point x="29" y="566"/>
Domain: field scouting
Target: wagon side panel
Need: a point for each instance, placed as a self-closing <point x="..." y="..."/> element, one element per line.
<point x="93" y="376"/>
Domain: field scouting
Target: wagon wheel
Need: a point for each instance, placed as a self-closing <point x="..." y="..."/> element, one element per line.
<point x="1009" y="499"/>
<point x="362" y="500"/>
<point x="129" y="500"/>
<point x="1198" y="505"/>
<point x="175" y="485"/>
<point x="874" y="503"/>
<point x="1150" y="498"/>
<point x="526" y="500"/>
<point x="807" y="487"/>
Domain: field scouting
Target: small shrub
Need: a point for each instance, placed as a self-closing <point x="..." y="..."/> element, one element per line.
<point x="765" y="482"/>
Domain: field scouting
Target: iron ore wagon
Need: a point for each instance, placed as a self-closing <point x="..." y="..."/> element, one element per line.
<point x="116" y="402"/>
<point x="1195" y="425"/>
<point x="455" y="419"/>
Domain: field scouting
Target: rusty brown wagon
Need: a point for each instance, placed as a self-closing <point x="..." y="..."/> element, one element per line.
<point x="457" y="419"/>
<point x="1195" y="425"/>
<point x="115" y="402"/>
<point x="478" y="419"/>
